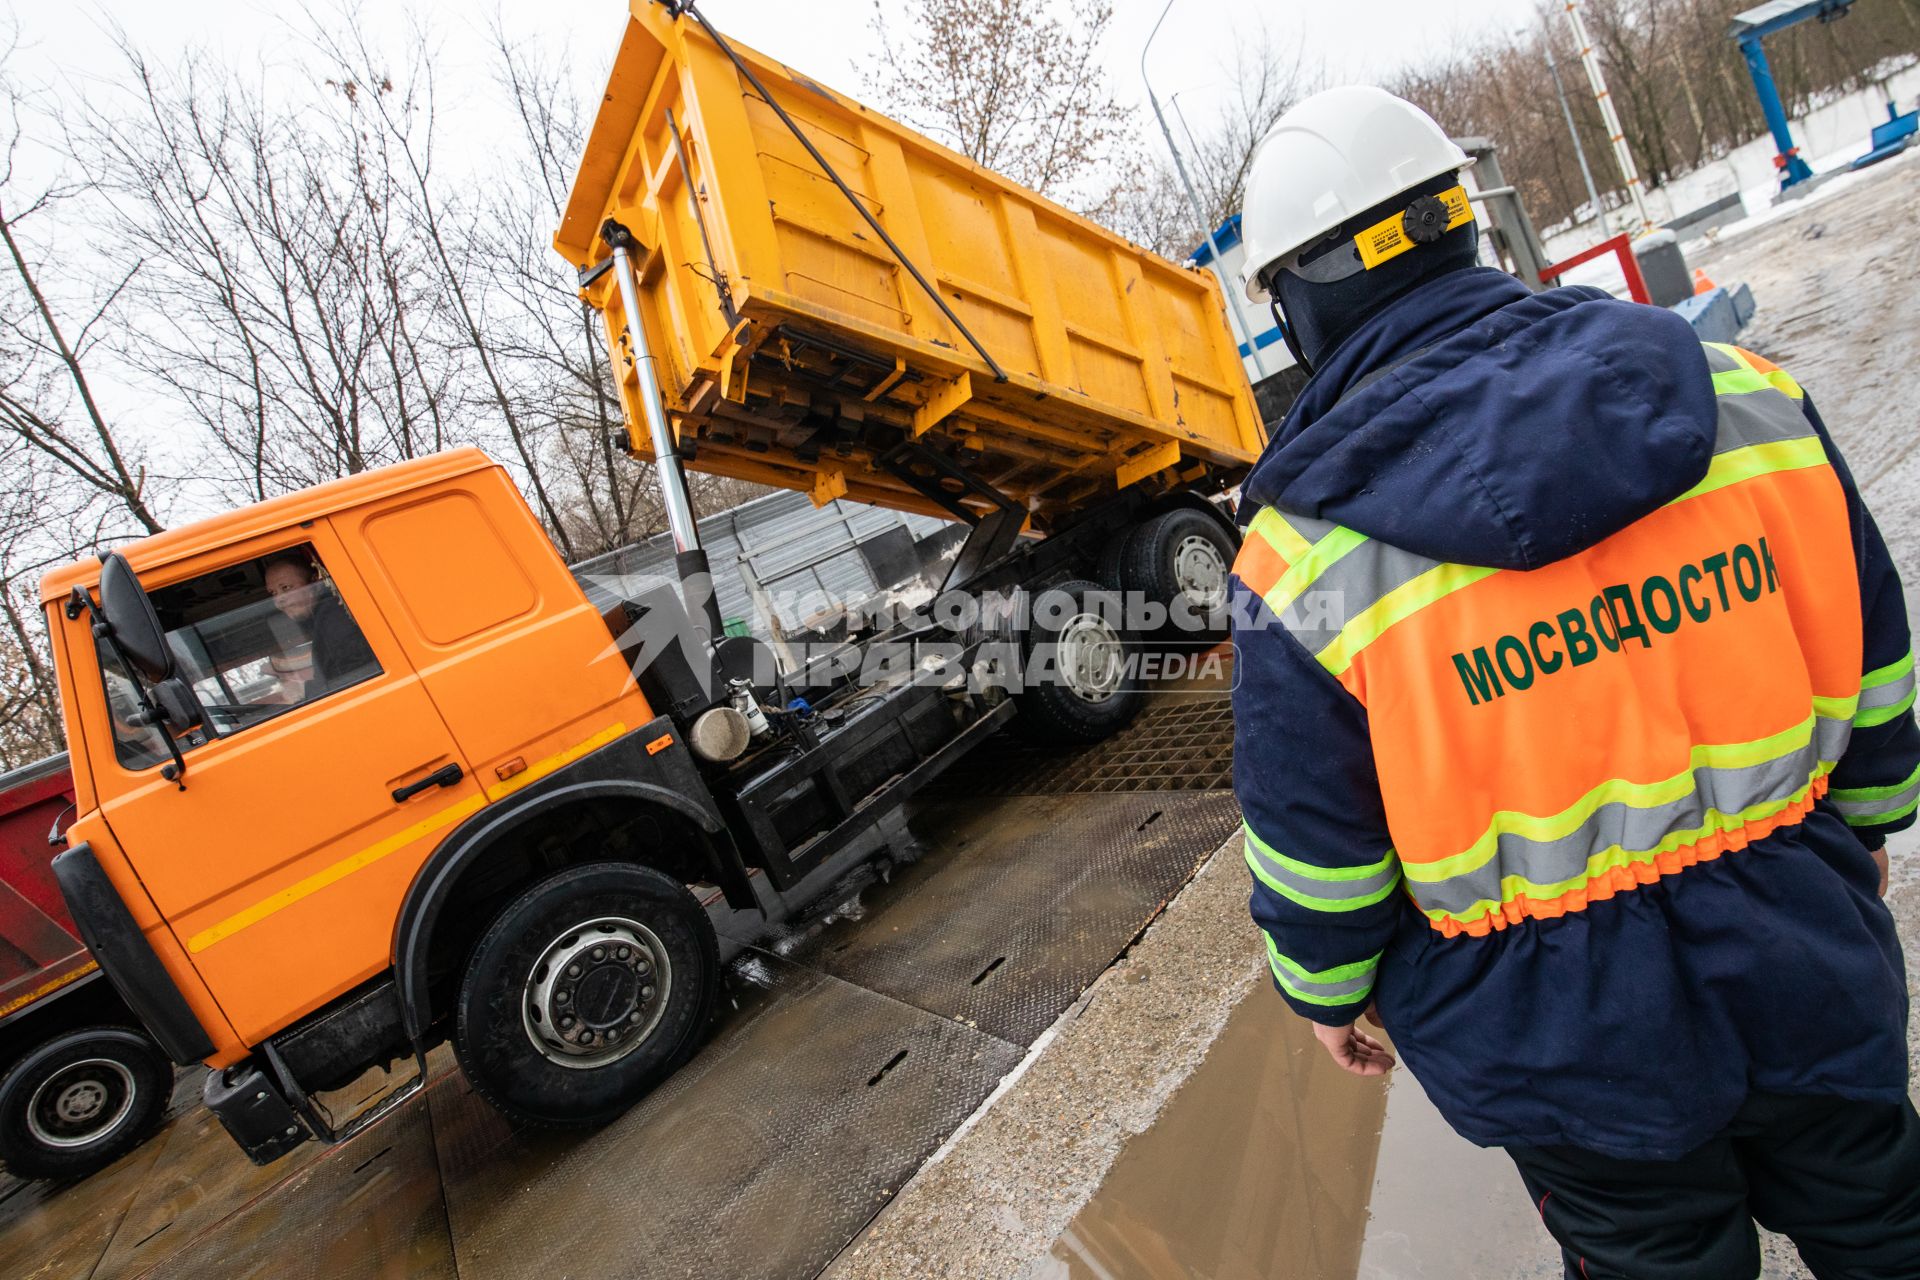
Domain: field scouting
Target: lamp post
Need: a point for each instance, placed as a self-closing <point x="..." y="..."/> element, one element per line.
<point x="1579" y="151"/>
<point x="1199" y="214"/>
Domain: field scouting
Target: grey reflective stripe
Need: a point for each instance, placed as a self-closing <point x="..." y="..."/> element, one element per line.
<point x="1830" y="738"/>
<point x="1321" y="992"/>
<point x="1348" y="587"/>
<point x="1719" y="361"/>
<point x="1325" y="990"/>
<point x="1286" y="880"/>
<point x="1618" y="824"/>
<point x="1751" y="420"/>
<point x="1310" y="528"/>
<point x="1887" y="807"/>
<point x="1891" y="694"/>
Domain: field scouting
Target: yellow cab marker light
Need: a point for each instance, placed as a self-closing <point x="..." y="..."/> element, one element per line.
<point x="559" y="760"/>
<point x="392" y="844"/>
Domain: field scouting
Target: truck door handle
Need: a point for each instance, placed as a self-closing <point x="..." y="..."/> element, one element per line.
<point x="445" y="776"/>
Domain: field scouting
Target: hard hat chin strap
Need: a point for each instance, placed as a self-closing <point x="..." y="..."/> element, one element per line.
<point x="1287" y="334"/>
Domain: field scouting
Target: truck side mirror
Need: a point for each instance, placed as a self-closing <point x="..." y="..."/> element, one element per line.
<point x="130" y="616"/>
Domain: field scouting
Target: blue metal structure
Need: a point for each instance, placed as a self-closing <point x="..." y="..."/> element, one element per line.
<point x="1892" y="137"/>
<point x="1749" y="29"/>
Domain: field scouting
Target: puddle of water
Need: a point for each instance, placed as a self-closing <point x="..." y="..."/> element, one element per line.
<point x="1444" y="1209"/>
<point x="1270" y="1163"/>
<point x="1257" y="1169"/>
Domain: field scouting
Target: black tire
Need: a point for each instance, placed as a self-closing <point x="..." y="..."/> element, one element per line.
<point x="1053" y="710"/>
<point x="500" y="1001"/>
<point x="1151" y="562"/>
<point x="80" y="1101"/>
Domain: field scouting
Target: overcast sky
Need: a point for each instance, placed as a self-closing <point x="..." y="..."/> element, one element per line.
<point x="828" y="39"/>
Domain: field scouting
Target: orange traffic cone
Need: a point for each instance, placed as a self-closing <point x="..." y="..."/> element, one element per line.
<point x="1701" y="284"/>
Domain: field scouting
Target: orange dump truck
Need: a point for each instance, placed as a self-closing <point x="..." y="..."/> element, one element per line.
<point x="361" y="769"/>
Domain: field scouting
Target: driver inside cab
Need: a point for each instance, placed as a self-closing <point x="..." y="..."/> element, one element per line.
<point x="339" y="652"/>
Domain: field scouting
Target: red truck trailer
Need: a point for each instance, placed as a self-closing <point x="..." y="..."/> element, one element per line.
<point x="81" y="1081"/>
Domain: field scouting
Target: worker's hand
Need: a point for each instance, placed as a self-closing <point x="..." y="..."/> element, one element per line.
<point x="1880" y="861"/>
<point x="1354" y="1049"/>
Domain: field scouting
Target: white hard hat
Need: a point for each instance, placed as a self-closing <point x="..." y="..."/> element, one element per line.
<point x="1336" y="155"/>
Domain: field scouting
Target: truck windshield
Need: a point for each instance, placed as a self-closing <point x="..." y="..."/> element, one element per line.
<point x="254" y="641"/>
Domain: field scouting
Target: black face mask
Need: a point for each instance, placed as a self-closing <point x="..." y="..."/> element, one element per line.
<point x="1315" y="319"/>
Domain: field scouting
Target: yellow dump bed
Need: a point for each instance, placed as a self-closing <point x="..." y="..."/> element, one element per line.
<point x="794" y="349"/>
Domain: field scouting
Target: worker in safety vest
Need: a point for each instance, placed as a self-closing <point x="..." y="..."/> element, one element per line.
<point x="1574" y="711"/>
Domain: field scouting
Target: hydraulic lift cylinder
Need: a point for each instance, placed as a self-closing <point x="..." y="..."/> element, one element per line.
<point x="690" y="561"/>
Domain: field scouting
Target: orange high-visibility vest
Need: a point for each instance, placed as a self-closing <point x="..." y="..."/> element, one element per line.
<point x="1546" y="739"/>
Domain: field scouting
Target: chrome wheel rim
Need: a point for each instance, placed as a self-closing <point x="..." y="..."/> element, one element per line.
<point x="1091" y="657"/>
<point x="1200" y="572"/>
<point x="596" y="993"/>
<point x="81" y="1103"/>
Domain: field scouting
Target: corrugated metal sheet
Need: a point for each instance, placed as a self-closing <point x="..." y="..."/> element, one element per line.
<point x="778" y="549"/>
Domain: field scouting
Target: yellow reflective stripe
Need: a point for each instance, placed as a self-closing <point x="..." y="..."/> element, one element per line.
<point x="394" y="843"/>
<point x="1607" y="859"/>
<point x="338" y="871"/>
<point x="1312" y="872"/>
<point x="1859" y="795"/>
<point x="47" y="988"/>
<point x="1315" y="561"/>
<point x="1836" y="708"/>
<point x="1887" y="674"/>
<point x="1735" y="755"/>
<point x="1875" y="716"/>
<point x="1279" y="535"/>
<point x="1748" y="378"/>
<point x="1735" y="382"/>
<point x="1314" y="902"/>
<point x="1402" y="602"/>
<point x="1346" y="984"/>
<point x="1736" y="465"/>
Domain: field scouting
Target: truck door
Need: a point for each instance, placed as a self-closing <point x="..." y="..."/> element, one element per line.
<point x="320" y="781"/>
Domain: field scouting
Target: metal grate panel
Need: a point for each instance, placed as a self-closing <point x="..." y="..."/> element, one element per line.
<point x="1183" y="744"/>
<point x="1036" y="897"/>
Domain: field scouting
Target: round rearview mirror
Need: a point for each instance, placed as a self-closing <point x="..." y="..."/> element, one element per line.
<point x="130" y="615"/>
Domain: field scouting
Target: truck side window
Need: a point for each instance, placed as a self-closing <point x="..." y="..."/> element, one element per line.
<point x="254" y="640"/>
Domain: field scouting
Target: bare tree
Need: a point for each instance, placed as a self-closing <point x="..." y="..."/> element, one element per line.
<point x="1014" y="84"/>
<point x="445" y="226"/>
<point x="1679" y="84"/>
<point x="47" y="403"/>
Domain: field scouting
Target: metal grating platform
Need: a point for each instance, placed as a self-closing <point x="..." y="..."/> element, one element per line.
<point x="1035" y="897"/>
<point x="1183" y="744"/>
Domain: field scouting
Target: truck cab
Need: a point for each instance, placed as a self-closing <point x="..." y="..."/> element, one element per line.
<point x="370" y="666"/>
<point x="361" y="768"/>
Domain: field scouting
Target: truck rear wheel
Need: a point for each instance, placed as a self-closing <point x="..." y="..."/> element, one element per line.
<point x="586" y="992"/>
<point x="1080" y="685"/>
<point x="1180" y="559"/>
<point x="80" y="1101"/>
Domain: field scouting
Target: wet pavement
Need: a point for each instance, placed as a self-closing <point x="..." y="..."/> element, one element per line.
<point x="844" y="1059"/>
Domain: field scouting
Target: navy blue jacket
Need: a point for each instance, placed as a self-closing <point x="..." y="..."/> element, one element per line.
<point x="1513" y="430"/>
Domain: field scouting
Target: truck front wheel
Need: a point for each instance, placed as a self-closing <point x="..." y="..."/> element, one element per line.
<point x="80" y="1101"/>
<point x="587" y="991"/>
